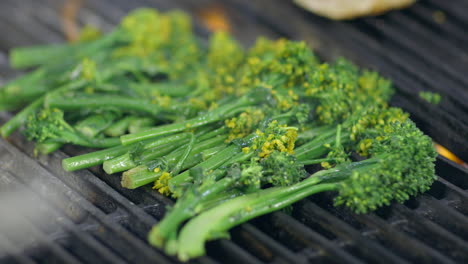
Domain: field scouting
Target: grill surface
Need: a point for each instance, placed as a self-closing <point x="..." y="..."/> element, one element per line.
<point x="97" y="221"/>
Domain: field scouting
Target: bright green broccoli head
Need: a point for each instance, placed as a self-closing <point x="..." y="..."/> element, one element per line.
<point x="244" y="124"/>
<point x="48" y="124"/>
<point x="277" y="64"/>
<point x="340" y="91"/>
<point x="224" y="58"/>
<point x="281" y="169"/>
<point x="278" y="169"/>
<point x="404" y="166"/>
<point x="147" y="30"/>
<point x="373" y="124"/>
<point x="165" y="40"/>
<point x="274" y="137"/>
<point x="247" y="175"/>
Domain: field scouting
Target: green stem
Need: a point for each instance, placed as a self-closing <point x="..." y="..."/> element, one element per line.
<point x="99" y="101"/>
<point x="23" y="90"/>
<point x="206" y="154"/>
<point x="131" y="179"/>
<point x="127" y="162"/>
<point x="47" y="147"/>
<point x="138" y="176"/>
<point x="219" y="219"/>
<point x="94" y="158"/>
<point x="316" y="148"/>
<point x="183" y="210"/>
<point x="92" y="125"/>
<point x="315" y="161"/>
<point x="214" y="162"/>
<point x="140" y="124"/>
<point x="120" y="127"/>
<point x="98" y="157"/>
<point x="102" y="142"/>
<point x="184" y="156"/>
<point x="151" y="149"/>
<point x="207" y="118"/>
<point x="21" y="58"/>
<point x="20" y="118"/>
<point x="16" y="121"/>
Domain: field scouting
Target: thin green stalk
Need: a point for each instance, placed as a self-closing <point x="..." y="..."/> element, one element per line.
<point x="23" y="90"/>
<point x="140" y="124"/>
<point x="212" y="151"/>
<point x="99" y="101"/>
<point x="20" y="118"/>
<point x="94" y="158"/>
<point x="316" y="148"/>
<point x="127" y="162"/>
<point x="46" y="54"/>
<point x="184" y="156"/>
<point x="216" y="221"/>
<point x="98" y="157"/>
<point x="93" y="125"/>
<point x="138" y="176"/>
<point x="46" y="147"/>
<point x="315" y="161"/>
<point x="152" y="148"/>
<point x="216" y="115"/>
<point x="210" y="164"/>
<point x="120" y="127"/>
<point x="129" y="178"/>
<point x="183" y="210"/>
<point x="16" y="121"/>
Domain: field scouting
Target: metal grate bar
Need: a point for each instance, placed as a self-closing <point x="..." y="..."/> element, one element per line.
<point x="406" y="246"/>
<point x="263" y="246"/>
<point x="310" y="238"/>
<point x="456" y="191"/>
<point x="443" y="215"/>
<point x="401" y="59"/>
<point x="447" y="28"/>
<point x="457" y="11"/>
<point x="413" y="23"/>
<point x="407" y="35"/>
<point x="229" y="252"/>
<point x="35" y="32"/>
<point x="433" y="235"/>
<point x="452" y="172"/>
<point x="367" y="249"/>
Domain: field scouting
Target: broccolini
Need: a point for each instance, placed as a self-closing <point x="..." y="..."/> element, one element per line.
<point x="231" y="133"/>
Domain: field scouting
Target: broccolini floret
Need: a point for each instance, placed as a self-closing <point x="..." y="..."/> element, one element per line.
<point x="49" y="126"/>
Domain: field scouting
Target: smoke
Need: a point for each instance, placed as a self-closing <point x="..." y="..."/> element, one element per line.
<point x="23" y="216"/>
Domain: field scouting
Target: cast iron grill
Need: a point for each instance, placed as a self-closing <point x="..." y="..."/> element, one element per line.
<point x="97" y="221"/>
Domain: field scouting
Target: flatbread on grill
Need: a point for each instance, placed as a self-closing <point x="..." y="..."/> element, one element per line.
<point x="348" y="9"/>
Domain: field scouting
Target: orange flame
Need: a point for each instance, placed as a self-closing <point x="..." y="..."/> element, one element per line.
<point x="215" y="18"/>
<point x="69" y="14"/>
<point x="449" y="155"/>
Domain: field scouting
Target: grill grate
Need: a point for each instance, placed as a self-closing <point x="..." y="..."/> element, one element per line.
<point x="97" y="221"/>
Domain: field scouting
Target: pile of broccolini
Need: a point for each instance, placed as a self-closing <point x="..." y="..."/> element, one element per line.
<point x="229" y="132"/>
